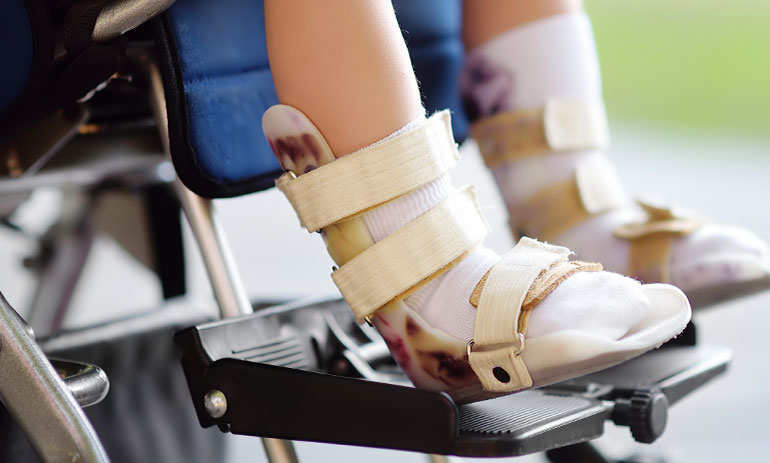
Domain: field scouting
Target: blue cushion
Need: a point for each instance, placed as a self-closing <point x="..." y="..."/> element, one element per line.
<point x="432" y="30"/>
<point x="227" y="82"/>
<point x="228" y="86"/>
<point x="16" y="48"/>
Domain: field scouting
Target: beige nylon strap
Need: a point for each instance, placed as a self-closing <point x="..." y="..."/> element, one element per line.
<point x="429" y="244"/>
<point x="550" y="212"/>
<point x="497" y="340"/>
<point x="595" y="188"/>
<point x="545" y="283"/>
<point x="373" y="175"/>
<point x="649" y="257"/>
<point x="561" y="125"/>
<point x="599" y="186"/>
<point x="651" y="242"/>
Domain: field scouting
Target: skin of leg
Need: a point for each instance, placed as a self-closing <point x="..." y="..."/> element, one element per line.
<point x="345" y="65"/>
<point x="485" y="19"/>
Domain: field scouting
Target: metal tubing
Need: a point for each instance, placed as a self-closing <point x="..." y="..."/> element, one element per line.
<point x="71" y="241"/>
<point x="38" y="399"/>
<point x="223" y="274"/>
<point x="279" y="451"/>
<point x="120" y="16"/>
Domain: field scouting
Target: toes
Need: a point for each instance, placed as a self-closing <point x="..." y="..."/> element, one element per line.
<point x="713" y="239"/>
<point x="716" y="254"/>
<point x="603" y="303"/>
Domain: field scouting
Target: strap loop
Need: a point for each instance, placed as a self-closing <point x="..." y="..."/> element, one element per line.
<point x="497" y="337"/>
<point x="373" y="175"/>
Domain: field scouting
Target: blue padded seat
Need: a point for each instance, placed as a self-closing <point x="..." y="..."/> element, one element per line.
<point x="218" y="85"/>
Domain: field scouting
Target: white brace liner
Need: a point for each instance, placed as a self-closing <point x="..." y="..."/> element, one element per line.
<point x="497" y="341"/>
<point x="424" y="246"/>
<point x="575" y="124"/>
<point x="599" y="186"/>
<point x="373" y="175"/>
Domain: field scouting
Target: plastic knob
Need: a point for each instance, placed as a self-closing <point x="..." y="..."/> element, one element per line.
<point x="645" y="413"/>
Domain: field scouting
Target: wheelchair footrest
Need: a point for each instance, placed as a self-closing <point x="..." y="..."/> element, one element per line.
<point x="249" y="376"/>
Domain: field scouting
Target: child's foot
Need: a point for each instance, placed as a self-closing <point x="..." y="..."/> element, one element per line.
<point x="709" y="262"/>
<point x="457" y="316"/>
<point x="535" y="92"/>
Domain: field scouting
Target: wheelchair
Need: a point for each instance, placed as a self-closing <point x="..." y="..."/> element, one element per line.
<point x="129" y="107"/>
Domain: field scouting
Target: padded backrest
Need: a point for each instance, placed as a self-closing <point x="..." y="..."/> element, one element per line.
<point x="218" y="85"/>
<point x="432" y="29"/>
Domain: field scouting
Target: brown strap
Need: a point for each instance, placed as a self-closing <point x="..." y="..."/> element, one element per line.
<point x="560" y="125"/>
<point x="592" y="189"/>
<point x="511" y="135"/>
<point x="651" y="241"/>
<point x="550" y="212"/>
<point x="649" y="257"/>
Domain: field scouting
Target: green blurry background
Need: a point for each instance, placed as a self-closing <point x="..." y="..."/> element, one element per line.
<point x="686" y="65"/>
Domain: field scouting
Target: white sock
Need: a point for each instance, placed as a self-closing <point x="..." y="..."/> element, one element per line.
<point x="550" y="58"/>
<point x="556" y="58"/>
<point x="603" y="303"/>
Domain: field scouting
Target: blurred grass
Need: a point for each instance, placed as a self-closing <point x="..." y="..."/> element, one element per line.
<point x="696" y="65"/>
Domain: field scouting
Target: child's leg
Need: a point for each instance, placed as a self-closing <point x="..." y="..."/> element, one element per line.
<point x="525" y="60"/>
<point x="344" y="64"/>
<point x="329" y="60"/>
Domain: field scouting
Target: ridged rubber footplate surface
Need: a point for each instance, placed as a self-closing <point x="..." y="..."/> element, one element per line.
<point x="527" y="422"/>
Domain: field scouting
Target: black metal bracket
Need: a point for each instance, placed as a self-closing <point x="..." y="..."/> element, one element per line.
<point x="266" y="375"/>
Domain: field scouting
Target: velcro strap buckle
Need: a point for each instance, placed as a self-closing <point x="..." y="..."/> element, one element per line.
<point x="599" y="186"/>
<point x="497" y="337"/>
<point x="575" y="124"/>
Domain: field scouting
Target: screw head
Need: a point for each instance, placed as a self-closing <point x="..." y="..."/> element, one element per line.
<point x="215" y="403"/>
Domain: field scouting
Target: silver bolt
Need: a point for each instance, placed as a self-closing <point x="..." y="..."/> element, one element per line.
<point x="215" y="403"/>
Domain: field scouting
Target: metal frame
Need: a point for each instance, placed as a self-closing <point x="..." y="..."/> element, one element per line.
<point x="30" y="388"/>
<point x="39" y="400"/>
<point x="59" y="264"/>
<point x="120" y="16"/>
<point x="65" y="246"/>
<point x="223" y="274"/>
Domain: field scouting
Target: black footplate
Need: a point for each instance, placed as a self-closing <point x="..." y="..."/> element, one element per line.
<point x="308" y="372"/>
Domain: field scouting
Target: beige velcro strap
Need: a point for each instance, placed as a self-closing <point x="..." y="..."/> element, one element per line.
<point x="651" y="241"/>
<point x="430" y="244"/>
<point x="599" y="186"/>
<point x="545" y="283"/>
<point x="649" y="257"/>
<point x="594" y="188"/>
<point x="373" y="175"/>
<point x="560" y="125"/>
<point x="498" y="342"/>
